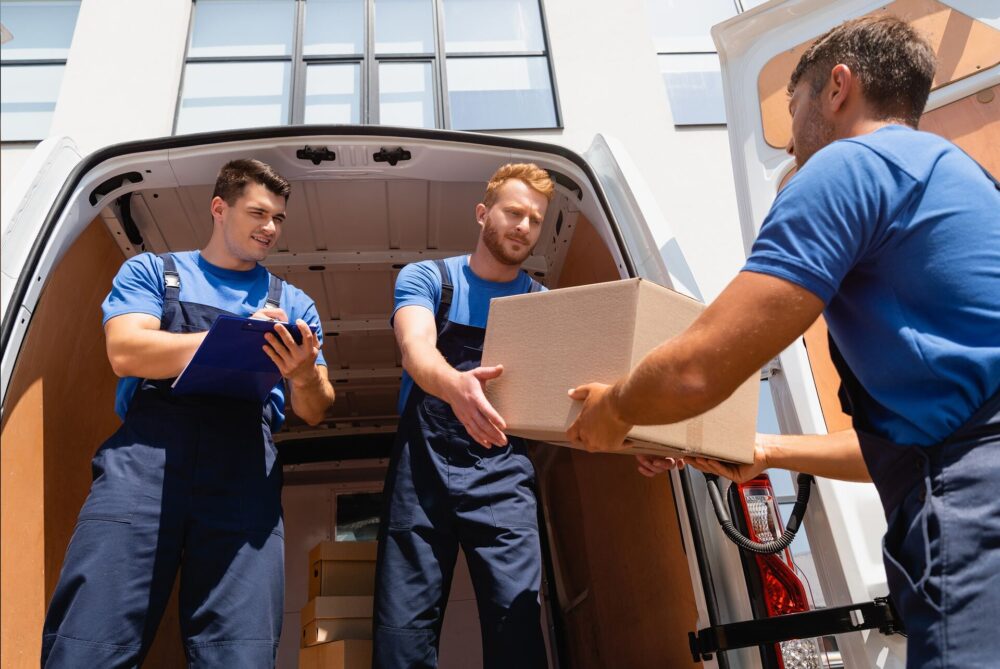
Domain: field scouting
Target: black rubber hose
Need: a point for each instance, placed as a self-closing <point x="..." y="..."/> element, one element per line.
<point x="768" y="547"/>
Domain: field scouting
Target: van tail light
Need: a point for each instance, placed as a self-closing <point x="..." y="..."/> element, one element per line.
<point x="781" y="589"/>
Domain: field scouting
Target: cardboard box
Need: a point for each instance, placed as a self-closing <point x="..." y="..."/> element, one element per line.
<point x="342" y="568"/>
<point x="334" y="618"/>
<point x="550" y="342"/>
<point x="352" y="654"/>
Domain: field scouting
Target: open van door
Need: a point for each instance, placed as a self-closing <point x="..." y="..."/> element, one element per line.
<point x="25" y="205"/>
<point x="758" y="50"/>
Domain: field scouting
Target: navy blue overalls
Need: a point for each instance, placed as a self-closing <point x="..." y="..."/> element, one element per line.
<point x="942" y="546"/>
<point x="444" y="490"/>
<point x="190" y="483"/>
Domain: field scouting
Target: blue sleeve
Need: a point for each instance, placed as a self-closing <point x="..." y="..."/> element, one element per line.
<point x="137" y="289"/>
<point x="417" y="283"/>
<point x="302" y="306"/>
<point x="828" y="218"/>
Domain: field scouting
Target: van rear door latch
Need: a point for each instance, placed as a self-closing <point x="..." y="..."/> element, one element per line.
<point x="316" y="154"/>
<point x="391" y="156"/>
<point x="877" y="614"/>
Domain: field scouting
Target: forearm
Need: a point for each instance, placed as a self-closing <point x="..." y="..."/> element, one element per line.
<point x="312" y="395"/>
<point x="428" y="368"/>
<point x="834" y="456"/>
<point x="667" y="386"/>
<point x="151" y="354"/>
<point x="753" y="320"/>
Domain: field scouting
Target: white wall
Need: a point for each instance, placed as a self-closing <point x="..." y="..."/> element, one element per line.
<point x="609" y="82"/>
<point x="123" y="72"/>
<point x="12" y="156"/>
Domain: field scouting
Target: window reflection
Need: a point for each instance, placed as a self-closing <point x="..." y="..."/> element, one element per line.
<point x="488" y="93"/>
<point x="406" y="95"/>
<point x="333" y="93"/>
<point x="492" y="26"/>
<point x="242" y="28"/>
<point x="404" y="26"/>
<point x="32" y="63"/>
<point x="334" y="27"/>
<point x="218" y="96"/>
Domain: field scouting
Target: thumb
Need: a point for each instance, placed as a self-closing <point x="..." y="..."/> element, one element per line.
<point x="486" y="373"/>
<point x="579" y="393"/>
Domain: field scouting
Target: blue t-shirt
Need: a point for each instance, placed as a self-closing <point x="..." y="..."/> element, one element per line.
<point x="138" y="288"/>
<point x="898" y="232"/>
<point x="420" y="283"/>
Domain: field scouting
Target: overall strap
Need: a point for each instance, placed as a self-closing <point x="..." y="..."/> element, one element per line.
<point x="171" y="279"/>
<point x="447" y="290"/>
<point x="273" y="293"/>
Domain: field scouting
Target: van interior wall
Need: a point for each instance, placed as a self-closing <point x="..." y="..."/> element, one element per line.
<point x="622" y="581"/>
<point x="58" y="410"/>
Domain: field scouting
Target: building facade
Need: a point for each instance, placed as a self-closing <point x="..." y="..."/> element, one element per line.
<point x="641" y="71"/>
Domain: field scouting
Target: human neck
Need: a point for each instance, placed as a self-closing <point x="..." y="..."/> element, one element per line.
<point x="486" y="267"/>
<point x="862" y="122"/>
<point x="217" y="254"/>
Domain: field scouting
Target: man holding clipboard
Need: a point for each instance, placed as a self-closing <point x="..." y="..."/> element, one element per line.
<point x="191" y="482"/>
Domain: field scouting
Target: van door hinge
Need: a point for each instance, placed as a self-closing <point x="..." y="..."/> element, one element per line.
<point x="315" y="154"/>
<point x="877" y="614"/>
<point x="114" y="183"/>
<point x="391" y="156"/>
<point x="772" y="367"/>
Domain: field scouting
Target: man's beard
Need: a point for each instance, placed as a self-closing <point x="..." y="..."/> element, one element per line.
<point x="494" y="243"/>
<point x="817" y="134"/>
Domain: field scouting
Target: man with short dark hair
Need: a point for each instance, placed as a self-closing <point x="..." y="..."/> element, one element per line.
<point x="894" y="235"/>
<point x="454" y="478"/>
<point x="190" y="483"/>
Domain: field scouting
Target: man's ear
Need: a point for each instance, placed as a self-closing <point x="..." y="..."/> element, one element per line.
<point x="218" y="208"/>
<point x="481" y="214"/>
<point x="842" y="86"/>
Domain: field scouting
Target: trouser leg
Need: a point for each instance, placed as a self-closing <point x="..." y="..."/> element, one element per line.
<point x="416" y="558"/>
<point x="232" y="597"/>
<point x="498" y="529"/>
<point x="233" y="577"/>
<point x="942" y="555"/>
<point x="413" y="579"/>
<point x="505" y="566"/>
<point x="120" y="565"/>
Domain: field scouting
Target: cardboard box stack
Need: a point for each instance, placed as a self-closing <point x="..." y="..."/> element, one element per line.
<point x="550" y="342"/>
<point x="337" y="621"/>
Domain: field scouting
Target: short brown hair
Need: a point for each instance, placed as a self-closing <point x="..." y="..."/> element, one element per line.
<point x="893" y="63"/>
<point x="531" y="174"/>
<point x="236" y="174"/>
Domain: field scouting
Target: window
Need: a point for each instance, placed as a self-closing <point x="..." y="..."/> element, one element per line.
<point x="460" y="64"/>
<point x="32" y="59"/>
<point x="688" y="61"/>
<point x="358" y="516"/>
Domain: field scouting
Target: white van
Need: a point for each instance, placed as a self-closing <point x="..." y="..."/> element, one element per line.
<point x="637" y="571"/>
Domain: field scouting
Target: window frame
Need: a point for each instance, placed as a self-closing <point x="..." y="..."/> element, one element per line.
<point x="369" y="62"/>
<point x="8" y="62"/>
<point x="738" y="9"/>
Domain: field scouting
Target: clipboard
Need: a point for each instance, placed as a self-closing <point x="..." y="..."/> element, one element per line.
<point x="231" y="361"/>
